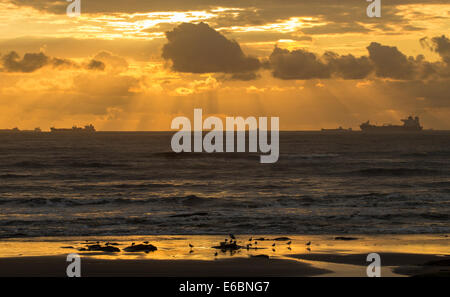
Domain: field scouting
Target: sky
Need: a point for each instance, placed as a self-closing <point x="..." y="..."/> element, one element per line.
<point x="137" y="64"/>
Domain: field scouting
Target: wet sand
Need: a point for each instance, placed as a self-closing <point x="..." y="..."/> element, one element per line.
<point x="55" y="266"/>
<point x="401" y="255"/>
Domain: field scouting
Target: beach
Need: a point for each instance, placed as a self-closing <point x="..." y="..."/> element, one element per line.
<point x="347" y="195"/>
<point x="326" y="255"/>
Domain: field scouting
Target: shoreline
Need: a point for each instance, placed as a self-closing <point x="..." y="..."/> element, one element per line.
<point x="275" y="255"/>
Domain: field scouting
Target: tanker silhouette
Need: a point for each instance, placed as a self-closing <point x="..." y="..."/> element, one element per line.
<point x="409" y="125"/>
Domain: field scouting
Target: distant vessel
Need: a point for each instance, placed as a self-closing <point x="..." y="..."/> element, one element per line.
<point x="74" y="129"/>
<point x="340" y="129"/>
<point x="17" y="130"/>
<point x="409" y="125"/>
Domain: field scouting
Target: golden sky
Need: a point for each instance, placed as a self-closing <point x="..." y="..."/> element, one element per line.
<point x="135" y="65"/>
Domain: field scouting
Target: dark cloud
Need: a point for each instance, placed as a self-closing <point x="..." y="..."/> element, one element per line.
<point x="348" y="66"/>
<point x="385" y="61"/>
<point x="390" y="62"/>
<point x="63" y="63"/>
<point x="198" y="48"/>
<point x="95" y="65"/>
<point x="301" y="64"/>
<point x="30" y="62"/>
<point x="440" y="45"/>
<point x="298" y="64"/>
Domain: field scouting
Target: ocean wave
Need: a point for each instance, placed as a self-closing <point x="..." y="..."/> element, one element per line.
<point x="14" y="176"/>
<point x="28" y="164"/>
<point x="93" y="165"/>
<point x="397" y="171"/>
<point x="190" y="200"/>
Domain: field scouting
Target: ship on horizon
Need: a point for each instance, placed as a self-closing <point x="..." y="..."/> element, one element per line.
<point x="340" y="129"/>
<point x="87" y="129"/>
<point x="410" y="124"/>
<point x="17" y="130"/>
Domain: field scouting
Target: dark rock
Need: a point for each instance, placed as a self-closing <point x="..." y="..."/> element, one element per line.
<point x="110" y="249"/>
<point x="185" y="215"/>
<point x="140" y="248"/>
<point x="282" y="239"/>
<point x="260" y="256"/>
<point x="99" y="248"/>
<point x="345" y="238"/>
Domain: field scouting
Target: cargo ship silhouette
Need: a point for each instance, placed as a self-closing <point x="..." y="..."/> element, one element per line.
<point x="410" y="124"/>
<point x="74" y="129"/>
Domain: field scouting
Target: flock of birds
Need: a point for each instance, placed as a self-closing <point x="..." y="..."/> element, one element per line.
<point x="251" y="245"/>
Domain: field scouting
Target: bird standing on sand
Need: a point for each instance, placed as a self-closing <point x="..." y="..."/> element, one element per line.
<point x="132" y="243"/>
<point x="146" y="242"/>
<point x="273" y="244"/>
<point x="215" y="255"/>
<point x="251" y="238"/>
<point x="308" y="243"/>
<point x="289" y="243"/>
<point x="232" y="236"/>
<point x="308" y="249"/>
<point x="191" y="246"/>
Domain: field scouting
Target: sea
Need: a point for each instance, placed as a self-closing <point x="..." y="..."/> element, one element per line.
<point x="131" y="183"/>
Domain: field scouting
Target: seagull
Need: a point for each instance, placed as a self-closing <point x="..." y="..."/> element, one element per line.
<point x="308" y="243"/>
<point x="132" y="243"/>
<point x="289" y="248"/>
<point x="289" y="243"/>
<point x="215" y="255"/>
<point x="191" y="246"/>
<point x="308" y="249"/>
<point x="146" y="242"/>
<point x="250" y="239"/>
<point x="232" y="236"/>
<point x="256" y="242"/>
<point x="273" y="250"/>
<point x="273" y="244"/>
